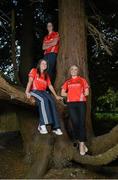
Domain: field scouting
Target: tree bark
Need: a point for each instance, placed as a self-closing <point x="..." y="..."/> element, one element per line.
<point x="43" y="152"/>
<point x="11" y="93"/>
<point x="73" y="48"/>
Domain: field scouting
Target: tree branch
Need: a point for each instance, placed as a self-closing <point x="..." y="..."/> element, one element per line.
<point x="12" y="93"/>
<point x="99" y="37"/>
<point x="104" y="142"/>
<point x="100" y="159"/>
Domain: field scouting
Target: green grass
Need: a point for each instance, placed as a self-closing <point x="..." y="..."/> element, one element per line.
<point x="107" y="116"/>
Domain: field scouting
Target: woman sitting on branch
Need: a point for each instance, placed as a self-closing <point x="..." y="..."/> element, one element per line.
<point x="39" y="81"/>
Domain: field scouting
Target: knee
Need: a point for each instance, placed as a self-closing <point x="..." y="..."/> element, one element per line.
<point x="42" y="99"/>
<point x="52" y="101"/>
<point x="45" y="100"/>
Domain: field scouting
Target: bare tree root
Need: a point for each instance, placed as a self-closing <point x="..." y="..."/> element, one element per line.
<point x="42" y="154"/>
<point x="104" y="142"/>
<point x="97" y="160"/>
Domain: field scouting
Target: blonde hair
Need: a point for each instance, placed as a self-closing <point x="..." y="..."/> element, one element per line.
<point x="69" y="72"/>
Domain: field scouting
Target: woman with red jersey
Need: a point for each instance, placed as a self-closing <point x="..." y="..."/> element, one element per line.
<point x="38" y="82"/>
<point x="51" y="48"/>
<point x="76" y="89"/>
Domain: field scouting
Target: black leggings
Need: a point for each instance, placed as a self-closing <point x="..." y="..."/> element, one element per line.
<point x="77" y="111"/>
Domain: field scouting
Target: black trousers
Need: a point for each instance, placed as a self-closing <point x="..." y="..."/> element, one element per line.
<point x="51" y="59"/>
<point x="77" y="111"/>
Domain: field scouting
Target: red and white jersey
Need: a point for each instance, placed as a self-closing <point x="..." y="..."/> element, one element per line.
<point x="75" y="88"/>
<point x="48" y="39"/>
<point x="39" y="83"/>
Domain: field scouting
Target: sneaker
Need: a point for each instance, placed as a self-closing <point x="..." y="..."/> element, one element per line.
<point x="57" y="132"/>
<point x="86" y="149"/>
<point x="82" y="150"/>
<point x="42" y="129"/>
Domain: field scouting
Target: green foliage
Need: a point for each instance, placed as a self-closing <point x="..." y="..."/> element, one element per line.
<point x="109" y="100"/>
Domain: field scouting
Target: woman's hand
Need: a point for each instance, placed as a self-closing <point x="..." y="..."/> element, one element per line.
<point x="59" y="98"/>
<point x="54" y="93"/>
<point x="28" y="95"/>
<point x="29" y="84"/>
<point x="86" y="93"/>
<point x="32" y="99"/>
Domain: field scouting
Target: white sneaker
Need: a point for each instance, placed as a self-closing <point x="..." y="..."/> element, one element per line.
<point x="42" y="129"/>
<point x="57" y="132"/>
<point x="83" y="150"/>
<point x="86" y="149"/>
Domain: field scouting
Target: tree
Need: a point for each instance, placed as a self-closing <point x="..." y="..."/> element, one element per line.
<point x="43" y="152"/>
<point x="73" y="49"/>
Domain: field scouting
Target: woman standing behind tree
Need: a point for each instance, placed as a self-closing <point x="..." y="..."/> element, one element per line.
<point x="76" y="89"/>
<point x="51" y="48"/>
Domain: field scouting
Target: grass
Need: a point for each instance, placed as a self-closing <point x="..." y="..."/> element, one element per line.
<point x="107" y="116"/>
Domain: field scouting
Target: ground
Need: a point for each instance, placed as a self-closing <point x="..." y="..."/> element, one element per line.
<point x="12" y="164"/>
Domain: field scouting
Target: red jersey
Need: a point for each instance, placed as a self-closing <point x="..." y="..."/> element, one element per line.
<point x="75" y="89"/>
<point x="39" y="83"/>
<point x="48" y="39"/>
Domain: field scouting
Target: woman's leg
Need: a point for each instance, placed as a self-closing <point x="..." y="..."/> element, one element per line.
<point x="81" y="109"/>
<point x="74" y="120"/>
<point x="77" y="113"/>
<point x="51" y="59"/>
<point x="82" y="131"/>
<point x="53" y="110"/>
<point x="44" y="109"/>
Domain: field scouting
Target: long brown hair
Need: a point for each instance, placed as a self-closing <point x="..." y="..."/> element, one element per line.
<point x="39" y="69"/>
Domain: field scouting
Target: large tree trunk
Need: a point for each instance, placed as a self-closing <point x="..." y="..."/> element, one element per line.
<point x="27" y="40"/>
<point x="73" y="48"/>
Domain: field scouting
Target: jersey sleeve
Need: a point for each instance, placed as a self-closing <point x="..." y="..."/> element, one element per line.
<point x="65" y="86"/>
<point x="32" y="73"/>
<point x="57" y="36"/>
<point x="48" y="81"/>
<point x="85" y="83"/>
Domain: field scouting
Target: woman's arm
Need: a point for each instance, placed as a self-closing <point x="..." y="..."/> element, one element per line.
<point x="45" y="46"/>
<point x="50" y="44"/>
<point x="54" y="93"/>
<point x="86" y="92"/>
<point x="29" y="84"/>
<point x="63" y="93"/>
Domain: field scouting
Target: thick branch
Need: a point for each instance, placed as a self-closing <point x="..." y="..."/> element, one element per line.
<point x="100" y="159"/>
<point x="9" y="92"/>
<point x="104" y="142"/>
